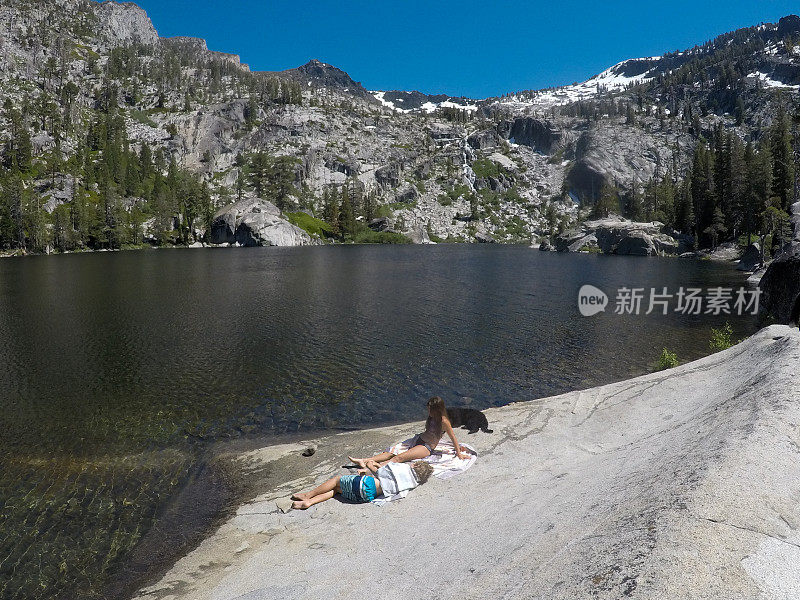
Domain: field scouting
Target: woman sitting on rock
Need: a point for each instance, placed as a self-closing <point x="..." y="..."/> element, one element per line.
<point x="436" y="425"/>
<point x="371" y="481"/>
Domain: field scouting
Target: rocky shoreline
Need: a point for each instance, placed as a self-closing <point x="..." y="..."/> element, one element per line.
<point x="674" y="484"/>
<point x="616" y="235"/>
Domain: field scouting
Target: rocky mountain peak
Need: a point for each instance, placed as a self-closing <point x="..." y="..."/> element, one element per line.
<point x="126" y="23"/>
<point x="321" y="74"/>
<point x="788" y="25"/>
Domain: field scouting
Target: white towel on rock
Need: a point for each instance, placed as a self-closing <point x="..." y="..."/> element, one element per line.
<point x="443" y="460"/>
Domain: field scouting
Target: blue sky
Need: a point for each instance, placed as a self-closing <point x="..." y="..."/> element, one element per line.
<point x="470" y="48"/>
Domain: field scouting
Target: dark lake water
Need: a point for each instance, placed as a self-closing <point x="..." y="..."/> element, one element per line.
<point x="105" y="357"/>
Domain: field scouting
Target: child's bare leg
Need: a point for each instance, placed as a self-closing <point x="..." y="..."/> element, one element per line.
<point x="324" y="488"/>
<point x="304" y="504"/>
<point x="362" y="462"/>
<point x="415" y="453"/>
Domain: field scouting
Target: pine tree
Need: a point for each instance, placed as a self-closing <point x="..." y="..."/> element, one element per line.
<point x="239" y="185"/>
<point x="330" y="209"/>
<point x="607" y="203"/>
<point x="281" y="180"/>
<point x="701" y="180"/>
<point x="635" y="207"/>
<point x="347" y="221"/>
<point x="665" y="192"/>
<point x="735" y="184"/>
<point x="684" y="212"/>
<point x="776" y="223"/>
<point x="717" y="228"/>
<point x="751" y="203"/>
<point x="258" y="172"/>
<point x="369" y="207"/>
<point x="356" y="197"/>
<point x="18" y="150"/>
<point x="721" y="169"/>
<point x="14" y="200"/>
<point x="251" y="111"/>
<point x="782" y="158"/>
<point x="739" y="111"/>
<point x="630" y="117"/>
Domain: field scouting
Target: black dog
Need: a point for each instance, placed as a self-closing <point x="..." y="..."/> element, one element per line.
<point x="468" y="418"/>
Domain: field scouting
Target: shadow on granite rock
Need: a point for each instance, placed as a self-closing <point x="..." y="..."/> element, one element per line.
<point x="615" y="235"/>
<point x="780" y="288"/>
<point x="255" y="222"/>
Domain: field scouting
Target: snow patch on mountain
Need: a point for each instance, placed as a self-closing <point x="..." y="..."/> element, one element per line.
<point x="621" y="75"/>
<point x="429" y="107"/>
<point x="380" y="97"/>
<point x="418" y="102"/>
<point x="769" y="82"/>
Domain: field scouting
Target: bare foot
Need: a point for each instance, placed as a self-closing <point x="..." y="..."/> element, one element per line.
<point x="300" y="496"/>
<point x="361" y="462"/>
<point x="300" y="504"/>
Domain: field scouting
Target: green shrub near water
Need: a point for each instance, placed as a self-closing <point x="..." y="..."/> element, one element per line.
<point x="311" y="225"/>
<point x="721" y="338"/>
<point x="380" y="237"/>
<point x="667" y="360"/>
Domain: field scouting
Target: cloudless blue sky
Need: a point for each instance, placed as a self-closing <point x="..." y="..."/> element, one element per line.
<point x="473" y="48"/>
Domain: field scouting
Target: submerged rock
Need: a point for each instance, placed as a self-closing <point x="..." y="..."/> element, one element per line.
<point x="255" y="222"/>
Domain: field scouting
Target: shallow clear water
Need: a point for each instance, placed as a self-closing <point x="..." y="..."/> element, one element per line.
<point x="105" y="355"/>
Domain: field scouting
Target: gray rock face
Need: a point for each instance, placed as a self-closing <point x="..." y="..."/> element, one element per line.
<point x="567" y="239"/>
<point x="481" y="140"/>
<point x="584" y="243"/>
<point x="780" y="288"/>
<point x="636" y="243"/>
<point x="388" y="176"/>
<point x="540" y="135"/>
<point x="751" y="259"/>
<point x="407" y="194"/>
<point x="482" y="235"/>
<point x="125" y="24"/>
<point x="546" y="246"/>
<point x="348" y="166"/>
<point x="616" y="155"/>
<point x="418" y="234"/>
<point x="255" y="222"/>
<point x="620" y="236"/>
<point x="379" y="224"/>
<point x="680" y="484"/>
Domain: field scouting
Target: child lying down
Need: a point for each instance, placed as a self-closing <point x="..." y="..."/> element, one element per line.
<point x="372" y="481"/>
